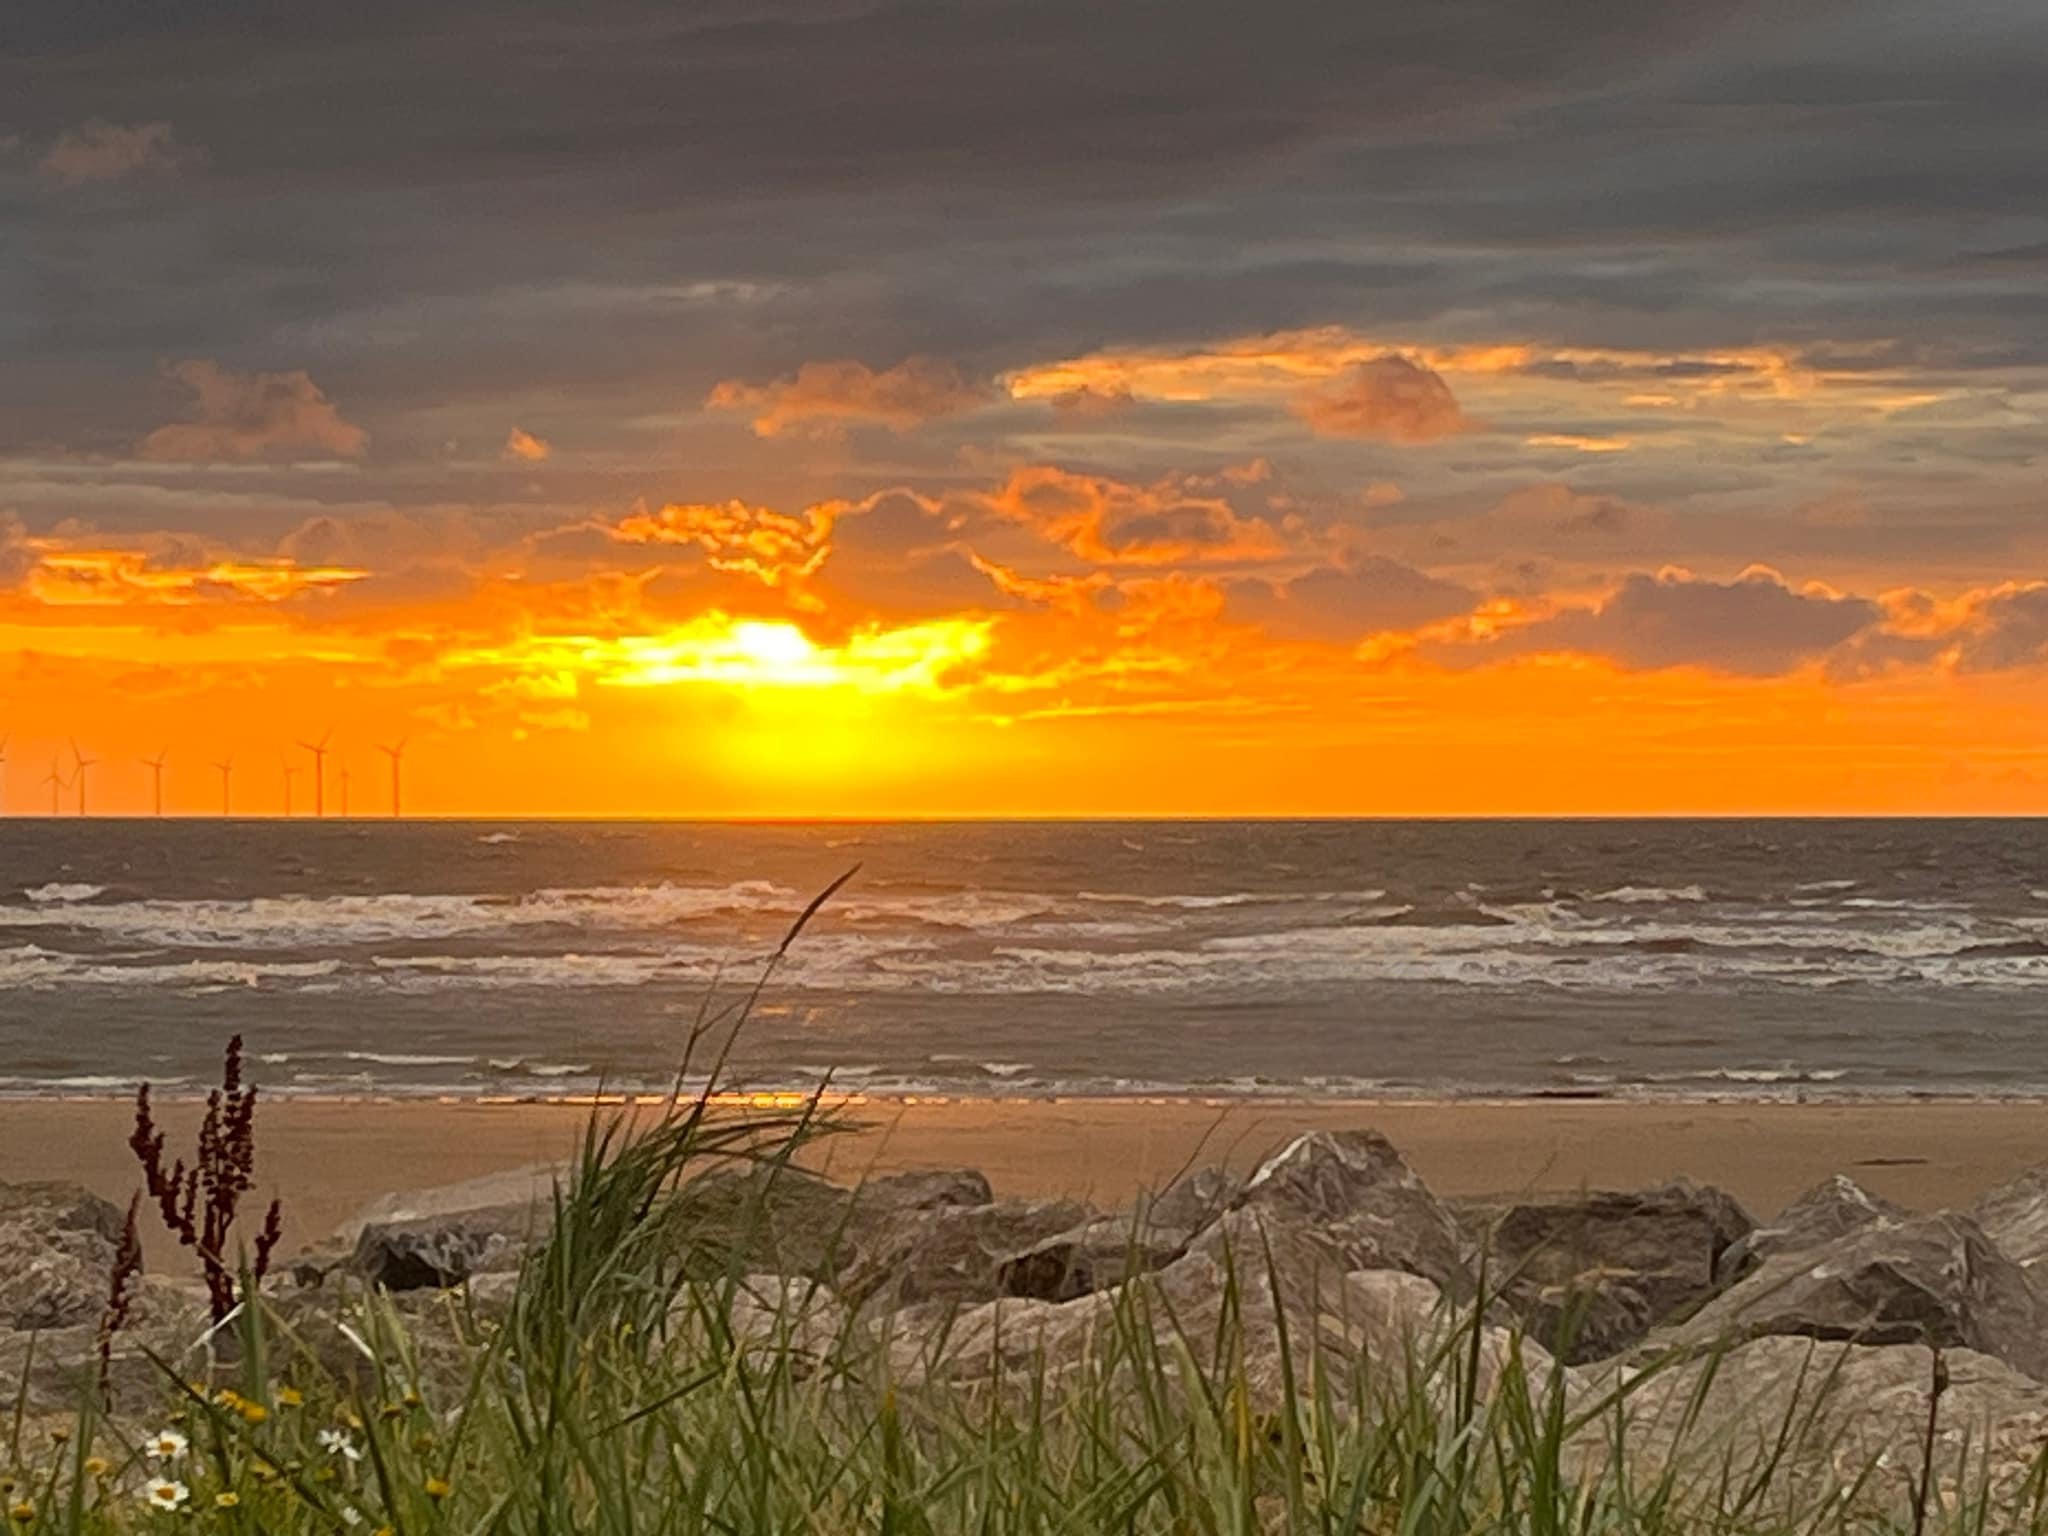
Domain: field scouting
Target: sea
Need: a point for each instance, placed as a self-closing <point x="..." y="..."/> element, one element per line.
<point x="1768" y="959"/>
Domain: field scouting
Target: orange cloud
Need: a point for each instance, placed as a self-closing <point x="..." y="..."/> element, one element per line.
<point x="832" y="395"/>
<point x="118" y="577"/>
<point x="102" y="151"/>
<point x="522" y="444"/>
<point x="1113" y="522"/>
<point x="773" y="547"/>
<point x="1387" y="399"/>
<point x="239" y="417"/>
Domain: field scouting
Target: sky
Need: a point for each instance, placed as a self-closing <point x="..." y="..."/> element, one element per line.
<point x="863" y="408"/>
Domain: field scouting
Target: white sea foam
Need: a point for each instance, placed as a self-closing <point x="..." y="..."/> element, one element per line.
<point x="64" y="891"/>
<point x="1634" y="894"/>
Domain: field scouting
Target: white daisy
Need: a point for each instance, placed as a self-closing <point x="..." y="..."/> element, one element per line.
<point x="335" y="1442"/>
<point x="165" y="1445"/>
<point x="162" y="1493"/>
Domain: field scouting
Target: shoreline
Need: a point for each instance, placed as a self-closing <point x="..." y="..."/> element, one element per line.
<point x="1800" y="1096"/>
<point x="327" y="1158"/>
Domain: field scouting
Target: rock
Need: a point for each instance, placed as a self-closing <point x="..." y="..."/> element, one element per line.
<point x="2015" y="1216"/>
<point x="1094" y="1256"/>
<point x="53" y="1367"/>
<point x="950" y="1254"/>
<point x="439" y="1236"/>
<point x="1799" y="1416"/>
<point x="1591" y="1272"/>
<point x="789" y="1221"/>
<point x="1831" y="1209"/>
<point x="1931" y="1280"/>
<point x="924" y="1190"/>
<point x="785" y="1318"/>
<point x="1191" y="1203"/>
<point x="57" y="1244"/>
<point x="1350" y="1194"/>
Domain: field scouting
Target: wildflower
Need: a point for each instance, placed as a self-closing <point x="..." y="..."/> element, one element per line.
<point x="438" y="1488"/>
<point x="165" y="1445"/>
<point x="290" y="1397"/>
<point x="336" y="1442"/>
<point x="263" y="1470"/>
<point x="23" y="1512"/>
<point x="412" y="1398"/>
<point x="162" y="1493"/>
<point x="390" y="1411"/>
<point x="255" y="1413"/>
<point x="97" y="1466"/>
<point x="350" y="1515"/>
<point x="60" y="1434"/>
<point x="227" y="1397"/>
<point x="226" y="1500"/>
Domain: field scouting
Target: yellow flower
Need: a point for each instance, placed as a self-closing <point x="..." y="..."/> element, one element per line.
<point x="60" y="1434"/>
<point x="390" y="1411"/>
<point x="437" y="1488"/>
<point x="23" y="1512"/>
<point x="290" y="1397"/>
<point x="227" y="1397"/>
<point x="264" y="1471"/>
<point x="97" y="1466"/>
<point x="227" y="1500"/>
<point x="412" y="1399"/>
<point x="384" y="1530"/>
<point x="255" y="1413"/>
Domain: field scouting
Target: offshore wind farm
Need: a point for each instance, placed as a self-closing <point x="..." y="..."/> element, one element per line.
<point x="148" y="792"/>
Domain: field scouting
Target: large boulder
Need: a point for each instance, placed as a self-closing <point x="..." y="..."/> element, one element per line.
<point x="1353" y="1199"/>
<point x="438" y="1236"/>
<point x="1797" y="1420"/>
<point x="1827" y="1212"/>
<point x="56" y="1369"/>
<point x="57" y="1244"/>
<point x="1589" y="1273"/>
<point x="2015" y="1216"/>
<point x="952" y="1254"/>
<point x="772" y="1218"/>
<point x="1937" y="1281"/>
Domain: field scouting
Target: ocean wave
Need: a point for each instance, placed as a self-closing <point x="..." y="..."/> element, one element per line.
<point x="62" y="891"/>
<point x="1632" y="895"/>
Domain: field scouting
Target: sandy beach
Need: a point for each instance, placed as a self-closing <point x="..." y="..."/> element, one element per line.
<point x="327" y="1158"/>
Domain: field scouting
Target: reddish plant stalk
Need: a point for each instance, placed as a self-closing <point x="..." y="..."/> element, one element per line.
<point x="199" y="1204"/>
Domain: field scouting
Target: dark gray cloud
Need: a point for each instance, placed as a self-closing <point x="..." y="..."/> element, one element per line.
<point x="1344" y="603"/>
<point x="448" y="215"/>
<point x="1754" y="626"/>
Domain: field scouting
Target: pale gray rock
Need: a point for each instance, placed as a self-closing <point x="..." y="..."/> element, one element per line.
<point x="2015" y="1216"/>
<point x="1938" y="1281"/>
<point x="948" y="1253"/>
<point x="1591" y="1272"/>
<point x="57" y="1244"/>
<point x="1351" y="1196"/>
<point x="1830" y="1210"/>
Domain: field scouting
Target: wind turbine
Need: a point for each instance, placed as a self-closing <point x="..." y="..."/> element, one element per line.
<point x="82" y="763"/>
<point x="156" y="767"/>
<point x="3" y="767"/>
<point x="224" y="769"/>
<point x="56" y="781"/>
<point x="396" y="754"/>
<point x="285" y="763"/>
<point x="319" y="751"/>
<point x="344" y="783"/>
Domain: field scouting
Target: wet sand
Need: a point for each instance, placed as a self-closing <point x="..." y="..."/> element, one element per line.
<point x="327" y="1158"/>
